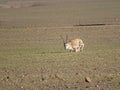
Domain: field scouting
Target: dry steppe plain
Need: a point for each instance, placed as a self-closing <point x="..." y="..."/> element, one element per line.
<point x="32" y="56"/>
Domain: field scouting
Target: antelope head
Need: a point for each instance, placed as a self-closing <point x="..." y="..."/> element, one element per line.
<point x="67" y="45"/>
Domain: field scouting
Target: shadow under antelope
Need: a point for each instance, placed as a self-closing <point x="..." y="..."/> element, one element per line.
<point x="74" y="45"/>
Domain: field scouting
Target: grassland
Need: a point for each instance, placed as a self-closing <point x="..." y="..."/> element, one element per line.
<point x="33" y="57"/>
<point x="62" y="13"/>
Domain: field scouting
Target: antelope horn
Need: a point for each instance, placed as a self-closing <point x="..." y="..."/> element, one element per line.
<point x="66" y="38"/>
<point x="62" y="39"/>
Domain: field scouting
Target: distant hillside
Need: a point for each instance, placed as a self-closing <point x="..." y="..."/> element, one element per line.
<point x="20" y="4"/>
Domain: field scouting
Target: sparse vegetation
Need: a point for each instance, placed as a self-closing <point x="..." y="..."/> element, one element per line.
<point x="33" y="57"/>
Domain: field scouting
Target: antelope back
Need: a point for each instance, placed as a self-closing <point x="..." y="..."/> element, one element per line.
<point x="75" y="42"/>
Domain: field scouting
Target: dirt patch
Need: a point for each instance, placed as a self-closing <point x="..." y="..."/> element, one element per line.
<point x="21" y="4"/>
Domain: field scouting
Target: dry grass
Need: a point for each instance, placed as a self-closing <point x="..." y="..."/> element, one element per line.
<point x="32" y="56"/>
<point x="34" y="59"/>
<point x="62" y="13"/>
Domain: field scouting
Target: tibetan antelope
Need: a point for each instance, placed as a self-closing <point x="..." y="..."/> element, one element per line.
<point x="74" y="45"/>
